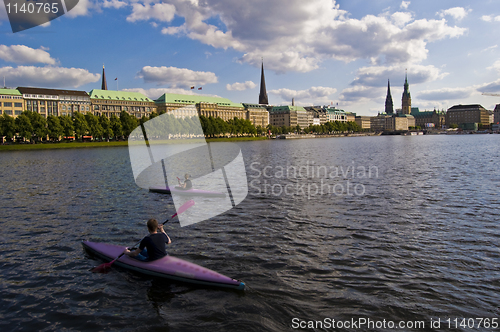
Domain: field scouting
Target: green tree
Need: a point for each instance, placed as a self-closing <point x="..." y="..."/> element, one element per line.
<point x="116" y="126"/>
<point x="259" y="130"/>
<point x="129" y="123"/>
<point x="95" y="128"/>
<point x="24" y="127"/>
<point x="80" y="125"/>
<point x="54" y="127"/>
<point x="39" y="125"/>
<point x="7" y="127"/>
<point x="67" y="123"/>
<point x="105" y="123"/>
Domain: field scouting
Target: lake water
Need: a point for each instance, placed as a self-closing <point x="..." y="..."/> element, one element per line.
<point x="401" y="229"/>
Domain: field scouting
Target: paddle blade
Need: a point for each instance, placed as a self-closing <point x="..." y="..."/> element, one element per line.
<point x="184" y="207"/>
<point x="103" y="268"/>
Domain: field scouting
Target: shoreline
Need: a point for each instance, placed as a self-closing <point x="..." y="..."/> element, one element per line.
<point x="79" y="145"/>
<point x="72" y="145"/>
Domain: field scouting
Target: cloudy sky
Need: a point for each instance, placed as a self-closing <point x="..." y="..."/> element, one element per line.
<point x="319" y="52"/>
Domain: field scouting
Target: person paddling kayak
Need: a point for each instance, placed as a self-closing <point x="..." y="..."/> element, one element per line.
<point x="187" y="182"/>
<point x="152" y="247"/>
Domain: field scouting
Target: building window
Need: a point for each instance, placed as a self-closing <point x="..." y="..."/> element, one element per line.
<point x="18" y="104"/>
<point x="5" y="104"/>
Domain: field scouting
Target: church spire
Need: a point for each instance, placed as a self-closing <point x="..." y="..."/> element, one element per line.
<point x="406" y="100"/>
<point x="389" y="105"/>
<point x="263" y="94"/>
<point x="406" y="91"/>
<point x="104" y="85"/>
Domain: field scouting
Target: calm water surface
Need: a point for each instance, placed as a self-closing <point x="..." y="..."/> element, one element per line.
<point x="395" y="228"/>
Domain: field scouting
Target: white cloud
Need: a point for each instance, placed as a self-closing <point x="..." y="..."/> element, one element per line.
<point x="490" y="18"/>
<point x="176" y="77"/>
<point x="48" y="77"/>
<point x="316" y="94"/>
<point x="82" y="8"/>
<point x="400" y="18"/>
<point x="163" y="12"/>
<point x="377" y="76"/>
<point x="117" y="4"/>
<point x="296" y="35"/>
<point x="446" y="93"/>
<point x="492" y="87"/>
<point x="22" y="54"/>
<point x="487" y="18"/>
<point x="404" y="4"/>
<point x="496" y="66"/>
<point x="361" y="93"/>
<point x="241" y="86"/>
<point x="457" y="13"/>
<point x="156" y="93"/>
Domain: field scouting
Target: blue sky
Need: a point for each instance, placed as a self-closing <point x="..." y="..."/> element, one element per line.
<point x="319" y="52"/>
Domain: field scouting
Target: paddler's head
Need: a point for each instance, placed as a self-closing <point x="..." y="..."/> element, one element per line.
<point x="186" y="176"/>
<point x="152" y="225"/>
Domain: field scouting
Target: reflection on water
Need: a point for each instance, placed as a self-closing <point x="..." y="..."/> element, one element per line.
<point x="420" y="242"/>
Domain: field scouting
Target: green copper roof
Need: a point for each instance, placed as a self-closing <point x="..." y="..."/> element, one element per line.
<point x="118" y="95"/>
<point x="174" y="98"/>
<point x="336" y="111"/>
<point x="425" y="114"/>
<point x="288" y="108"/>
<point x="12" y="92"/>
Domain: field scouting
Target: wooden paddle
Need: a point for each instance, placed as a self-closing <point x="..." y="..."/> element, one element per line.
<point x="105" y="266"/>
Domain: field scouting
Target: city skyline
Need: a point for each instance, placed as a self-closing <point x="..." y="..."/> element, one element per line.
<point x="318" y="53"/>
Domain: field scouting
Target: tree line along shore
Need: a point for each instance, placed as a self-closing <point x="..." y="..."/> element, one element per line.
<point x="32" y="127"/>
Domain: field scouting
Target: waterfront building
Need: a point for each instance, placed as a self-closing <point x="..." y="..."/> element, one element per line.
<point x="465" y="116"/>
<point x="289" y="116"/>
<point x="392" y="122"/>
<point x="257" y="114"/>
<point x="389" y="105"/>
<point x="334" y="114"/>
<point x="55" y="101"/>
<point x="316" y="115"/>
<point x="364" y="122"/>
<point x="429" y="119"/>
<point x="496" y="114"/>
<point x="109" y="102"/>
<point x="378" y="123"/>
<point x="216" y="107"/>
<point x="406" y="99"/>
<point x="11" y="102"/>
<point x="401" y="122"/>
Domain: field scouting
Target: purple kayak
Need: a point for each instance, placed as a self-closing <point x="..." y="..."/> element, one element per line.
<point x="167" y="267"/>
<point x="186" y="192"/>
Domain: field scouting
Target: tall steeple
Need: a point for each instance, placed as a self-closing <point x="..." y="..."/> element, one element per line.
<point x="104" y="85"/>
<point x="263" y="94"/>
<point x="389" y="105"/>
<point x="406" y="100"/>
